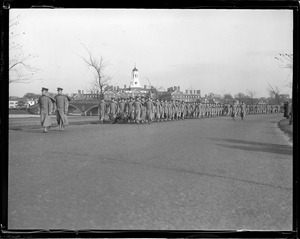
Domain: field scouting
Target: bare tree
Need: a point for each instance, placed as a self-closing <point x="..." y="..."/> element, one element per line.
<point x="20" y="70"/>
<point x="274" y="93"/>
<point x="286" y="61"/>
<point x="240" y="96"/>
<point x="154" y="89"/>
<point x="98" y="66"/>
<point x="251" y="93"/>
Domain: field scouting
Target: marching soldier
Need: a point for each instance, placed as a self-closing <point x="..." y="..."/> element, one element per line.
<point x="121" y="107"/>
<point x="243" y="110"/>
<point x="113" y="109"/>
<point x="46" y="106"/>
<point x="130" y="110"/>
<point x="102" y="110"/>
<point x="157" y="110"/>
<point x="137" y="110"/>
<point x="149" y="110"/>
<point x="162" y="110"/>
<point x="166" y="111"/>
<point x="62" y="105"/>
<point x="169" y="106"/>
<point x="233" y="110"/>
<point x="143" y="110"/>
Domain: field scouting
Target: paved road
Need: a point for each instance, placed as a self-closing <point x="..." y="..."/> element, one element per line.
<point x="194" y="174"/>
<point x="33" y="121"/>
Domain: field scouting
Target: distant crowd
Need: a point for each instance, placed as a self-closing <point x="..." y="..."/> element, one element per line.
<point x="146" y="110"/>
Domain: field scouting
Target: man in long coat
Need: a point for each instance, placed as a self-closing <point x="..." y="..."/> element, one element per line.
<point x="130" y="110"/>
<point x="113" y="109"/>
<point x="121" y="106"/>
<point x="102" y="110"/>
<point x="233" y="110"/>
<point x="137" y="110"/>
<point x="62" y="105"/>
<point x="149" y="110"/>
<point x="243" y="110"/>
<point x="46" y="106"/>
<point x="158" y="110"/>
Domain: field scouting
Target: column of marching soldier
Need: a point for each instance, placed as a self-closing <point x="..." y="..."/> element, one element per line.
<point x="146" y="110"/>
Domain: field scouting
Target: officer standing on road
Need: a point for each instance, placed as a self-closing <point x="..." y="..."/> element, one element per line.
<point x="46" y="106"/>
<point x="62" y="106"/>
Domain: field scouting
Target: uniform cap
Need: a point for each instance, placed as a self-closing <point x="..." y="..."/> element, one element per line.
<point x="44" y="89"/>
<point x="59" y="88"/>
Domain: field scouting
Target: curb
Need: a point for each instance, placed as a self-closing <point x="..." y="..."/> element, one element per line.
<point x="286" y="128"/>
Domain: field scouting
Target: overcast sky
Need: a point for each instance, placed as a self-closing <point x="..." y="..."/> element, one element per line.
<point x="220" y="51"/>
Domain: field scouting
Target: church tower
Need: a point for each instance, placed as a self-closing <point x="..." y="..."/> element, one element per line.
<point x="135" y="81"/>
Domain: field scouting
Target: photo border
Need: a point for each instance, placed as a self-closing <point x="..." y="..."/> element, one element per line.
<point x="166" y="4"/>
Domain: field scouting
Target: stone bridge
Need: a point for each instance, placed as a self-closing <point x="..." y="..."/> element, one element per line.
<point x="76" y="107"/>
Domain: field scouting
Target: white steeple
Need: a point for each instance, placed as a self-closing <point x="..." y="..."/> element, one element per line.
<point x="135" y="82"/>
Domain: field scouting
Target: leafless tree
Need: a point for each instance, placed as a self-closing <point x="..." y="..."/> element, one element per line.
<point x="251" y="94"/>
<point x="154" y="89"/>
<point x="240" y="96"/>
<point x="274" y="93"/>
<point x="286" y="61"/>
<point x="98" y="66"/>
<point x="20" y="69"/>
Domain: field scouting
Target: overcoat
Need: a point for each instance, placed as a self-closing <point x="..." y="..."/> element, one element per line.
<point x="62" y="105"/>
<point x="46" y="106"/>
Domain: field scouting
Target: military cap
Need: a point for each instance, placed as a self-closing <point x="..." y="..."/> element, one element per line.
<point x="58" y="88"/>
<point x="44" y="89"/>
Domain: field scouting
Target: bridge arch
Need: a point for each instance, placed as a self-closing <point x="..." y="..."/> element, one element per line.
<point x="75" y="107"/>
<point x="93" y="110"/>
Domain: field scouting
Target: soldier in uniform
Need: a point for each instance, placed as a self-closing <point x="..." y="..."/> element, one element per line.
<point x="46" y="106"/>
<point x="183" y="110"/>
<point x="137" y="110"/>
<point x="233" y="110"/>
<point x="130" y="110"/>
<point x="162" y="110"/>
<point x="62" y="105"/>
<point x="166" y="112"/>
<point x="113" y="109"/>
<point x="149" y="110"/>
<point x="243" y="110"/>
<point x="102" y="110"/>
<point x="143" y="110"/>
<point x="169" y="110"/>
<point x="158" y="110"/>
<point x="121" y="107"/>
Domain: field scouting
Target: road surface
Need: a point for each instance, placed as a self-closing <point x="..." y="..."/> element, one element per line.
<point x="202" y="174"/>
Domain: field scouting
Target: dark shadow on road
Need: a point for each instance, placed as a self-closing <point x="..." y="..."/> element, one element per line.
<point x="256" y="146"/>
<point x="259" y="149"/>
<point x="237" y="141"/>
<point x="122" y="159"/>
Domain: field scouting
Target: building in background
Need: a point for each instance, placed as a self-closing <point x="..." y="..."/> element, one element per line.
<point x="16" y="102"/>
<point x="174" y="93"/>
<point x="135" y="89"/>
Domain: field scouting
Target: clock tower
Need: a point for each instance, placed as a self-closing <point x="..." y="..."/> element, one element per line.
<point x="135" y="81"/>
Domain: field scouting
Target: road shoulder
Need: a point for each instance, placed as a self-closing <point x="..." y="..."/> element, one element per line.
<point x="286" y="128"/>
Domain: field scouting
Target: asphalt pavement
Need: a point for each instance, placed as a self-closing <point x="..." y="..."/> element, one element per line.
<point x="197" y="174"/>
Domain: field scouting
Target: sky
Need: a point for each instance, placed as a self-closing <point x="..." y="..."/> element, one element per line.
<point x="219" y="51"/>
